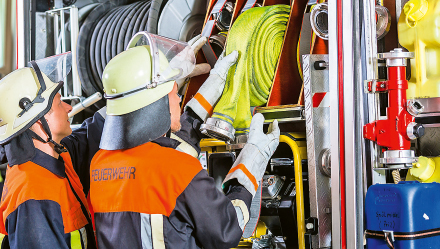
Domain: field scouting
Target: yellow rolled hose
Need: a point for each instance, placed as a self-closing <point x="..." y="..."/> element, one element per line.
<point x="258" y="36"/>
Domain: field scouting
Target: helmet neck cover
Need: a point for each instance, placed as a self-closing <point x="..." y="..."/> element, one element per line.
<point x="137" y="83"/>
<point x="136" y="128"/>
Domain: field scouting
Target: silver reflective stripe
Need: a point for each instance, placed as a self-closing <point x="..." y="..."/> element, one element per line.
<point x="78" y="238"/>
<point x="254" y="214"/>
<point x="147" y="241"/>
<point x="83" y="233"/>
<point x="157" y="231"/>
<point x="242" y="212"/>
<point x="240" y="217"/>
<point x="185" y="147"/>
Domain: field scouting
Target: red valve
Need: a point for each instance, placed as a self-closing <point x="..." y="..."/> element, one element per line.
<point x="392" y="132"/>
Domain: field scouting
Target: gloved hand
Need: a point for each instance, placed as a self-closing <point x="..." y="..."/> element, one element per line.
<point x="209" y="93"/>
<point x="196" y="43"/>
<point x="250" y="165"/>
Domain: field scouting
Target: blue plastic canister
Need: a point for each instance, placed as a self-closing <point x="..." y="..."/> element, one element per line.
<point x="405" y="207"/>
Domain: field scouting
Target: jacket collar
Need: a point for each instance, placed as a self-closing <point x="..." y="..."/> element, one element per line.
<point x="166" y="142"/>
<point x="55" y="166"/>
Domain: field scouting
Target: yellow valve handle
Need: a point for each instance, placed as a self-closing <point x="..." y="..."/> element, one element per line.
<point x="408" y="18"/>
<point x="258" y="36"/>
<point x="415" y="10"/>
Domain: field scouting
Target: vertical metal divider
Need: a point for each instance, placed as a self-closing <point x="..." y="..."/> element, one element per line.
<point x="59" y="30"/>
<point x="349" y="43"/>
<point x="56" y="32"/>
<point x="23" y="32"/>
<point x="31" y="30"/>
<point x="354" y="122"/>
<point x="63" y="42"/>
<point x="9" y="41"/>
<point x="334" y="124"/>
<point x="372" y="151"/>
<point x="318" y="142"/>
<point x="74" y="26"/>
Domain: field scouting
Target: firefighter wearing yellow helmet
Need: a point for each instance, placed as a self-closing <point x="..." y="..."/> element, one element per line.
<point x="144" y="191"/>
<point x="43" y="203"/>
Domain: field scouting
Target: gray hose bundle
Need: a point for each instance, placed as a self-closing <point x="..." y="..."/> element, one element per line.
<point x="106" y="32"/>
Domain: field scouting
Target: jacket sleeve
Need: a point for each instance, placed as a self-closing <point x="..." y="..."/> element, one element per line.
<point x="82" y="145"/>
<point x="189" y="134"/>
<point x="36" y="224"/>
<point x="214" y="217"/>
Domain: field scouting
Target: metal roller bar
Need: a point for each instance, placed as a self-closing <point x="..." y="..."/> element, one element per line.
<point x="85" y="103"/>
<point x="281" y="113"/>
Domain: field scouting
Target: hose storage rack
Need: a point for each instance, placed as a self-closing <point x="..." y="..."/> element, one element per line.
<point x="287" y="83"/>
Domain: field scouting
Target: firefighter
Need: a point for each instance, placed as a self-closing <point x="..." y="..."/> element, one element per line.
<point x="43" y="203"/>
<point x="147" y="194"/>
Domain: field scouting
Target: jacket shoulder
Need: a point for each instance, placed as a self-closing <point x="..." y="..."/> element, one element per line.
<point x="176" y="160"/>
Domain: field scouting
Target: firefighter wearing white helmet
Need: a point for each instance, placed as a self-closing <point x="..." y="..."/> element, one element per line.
<point x="43" y="203"/>
<point x="144" y="191"/>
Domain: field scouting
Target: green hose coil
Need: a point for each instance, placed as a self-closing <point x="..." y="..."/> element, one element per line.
<point x="258" y="36"/>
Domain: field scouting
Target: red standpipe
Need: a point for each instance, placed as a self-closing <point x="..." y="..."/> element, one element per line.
<point x="392" y="132"/>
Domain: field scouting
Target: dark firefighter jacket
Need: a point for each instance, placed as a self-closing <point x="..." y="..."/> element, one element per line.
<point x="43" y="202"/>
<point x="154" y="196"/>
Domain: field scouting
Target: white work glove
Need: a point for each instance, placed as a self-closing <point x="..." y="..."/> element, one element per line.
<point x="196" y="43"/>
<point x="209" y="93"/>
<point x="250" y="165"/>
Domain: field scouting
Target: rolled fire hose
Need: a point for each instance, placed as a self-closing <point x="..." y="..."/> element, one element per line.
<point x="258" y="36"/>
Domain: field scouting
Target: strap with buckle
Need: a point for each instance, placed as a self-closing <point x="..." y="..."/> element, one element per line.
<point x="207" y="32"/>
<point x="209" y="27"/>
<point x="391" y="236"/>
<point x="249" y="4"/>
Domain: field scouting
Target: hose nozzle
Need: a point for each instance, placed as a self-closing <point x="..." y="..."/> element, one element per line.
<point x="218" y="129"/>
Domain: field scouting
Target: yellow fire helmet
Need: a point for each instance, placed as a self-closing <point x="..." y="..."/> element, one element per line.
<point x="27" y="94"/>
<point x="136" y="85"/>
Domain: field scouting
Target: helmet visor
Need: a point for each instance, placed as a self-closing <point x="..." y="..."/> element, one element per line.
<point x="56" y="67"/>
<point x="171" y="59"/>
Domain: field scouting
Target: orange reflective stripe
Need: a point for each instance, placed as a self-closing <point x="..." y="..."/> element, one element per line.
<point x="204" y="103"/>
<point x="145" y="179"/>
<point x="30" y="181"/>
<point x="247" y="173"/>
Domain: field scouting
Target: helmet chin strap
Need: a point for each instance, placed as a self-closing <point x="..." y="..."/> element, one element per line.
<point x="57" y="147"/>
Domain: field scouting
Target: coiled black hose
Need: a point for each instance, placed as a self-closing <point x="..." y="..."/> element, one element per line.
<point x="106" y="32"/>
